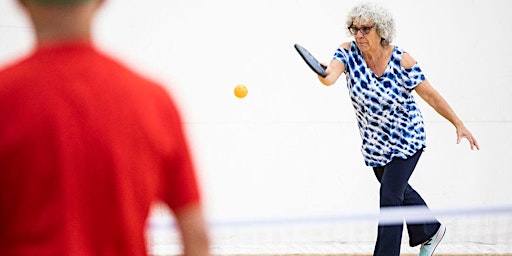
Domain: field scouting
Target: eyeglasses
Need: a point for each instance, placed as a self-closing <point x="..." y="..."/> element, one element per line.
<point x="365" y="30"/>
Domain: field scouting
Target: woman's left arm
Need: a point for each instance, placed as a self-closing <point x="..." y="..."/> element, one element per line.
<point x="436" y="101"/>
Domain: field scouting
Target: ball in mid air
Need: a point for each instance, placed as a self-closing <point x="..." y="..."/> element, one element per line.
<point x="241" y="91"/>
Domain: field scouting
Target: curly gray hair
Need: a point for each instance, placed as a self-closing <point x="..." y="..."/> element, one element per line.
<point x="378" y="15"/>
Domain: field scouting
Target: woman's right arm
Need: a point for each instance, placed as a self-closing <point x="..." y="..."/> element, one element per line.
<point x="334" y="69"/>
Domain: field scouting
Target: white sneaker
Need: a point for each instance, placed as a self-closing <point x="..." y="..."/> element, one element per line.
<point x="427" y="248"/>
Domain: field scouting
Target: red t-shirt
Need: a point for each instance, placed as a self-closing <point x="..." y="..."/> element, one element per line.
<point x="86" y="145"/>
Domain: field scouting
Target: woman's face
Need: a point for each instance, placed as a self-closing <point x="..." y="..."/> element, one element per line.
<point x="365" y="34"/>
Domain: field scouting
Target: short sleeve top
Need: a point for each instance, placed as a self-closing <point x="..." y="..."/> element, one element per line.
<point x="389" y="120"/>
<point x="87" y="147"/>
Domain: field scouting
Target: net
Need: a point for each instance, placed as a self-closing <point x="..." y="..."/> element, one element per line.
<point x="470" y="231"/>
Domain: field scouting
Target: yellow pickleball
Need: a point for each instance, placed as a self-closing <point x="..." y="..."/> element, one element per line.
<point x="241" y="91"/>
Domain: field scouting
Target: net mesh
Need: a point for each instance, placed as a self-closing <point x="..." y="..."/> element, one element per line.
<point x="470" y="231"/>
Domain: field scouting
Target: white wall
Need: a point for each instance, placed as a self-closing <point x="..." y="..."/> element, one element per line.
<point x="291" y="147"/>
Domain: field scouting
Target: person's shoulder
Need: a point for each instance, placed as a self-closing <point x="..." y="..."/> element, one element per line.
<point x="345" y="45"/>
<point x="18" y="69"/>
<point x="407" y="61"/>
<point x="120" y="67"/>
<point x="129" y="75"/>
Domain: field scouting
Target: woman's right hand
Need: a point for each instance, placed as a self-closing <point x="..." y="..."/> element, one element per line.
<point x="333" y="71"/>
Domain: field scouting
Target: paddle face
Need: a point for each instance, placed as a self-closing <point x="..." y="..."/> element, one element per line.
<point x="311" y="61"/>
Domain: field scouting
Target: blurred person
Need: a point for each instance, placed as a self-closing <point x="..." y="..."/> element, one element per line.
<point x="381" y="79"/>
<point x="87" y="146"/>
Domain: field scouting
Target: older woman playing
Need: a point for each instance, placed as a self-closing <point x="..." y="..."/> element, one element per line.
<point x="381" y="79"/>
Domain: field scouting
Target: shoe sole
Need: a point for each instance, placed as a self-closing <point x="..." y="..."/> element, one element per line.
<point x="438" y="238"/>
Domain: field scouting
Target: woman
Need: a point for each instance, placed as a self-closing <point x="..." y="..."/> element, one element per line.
<point x="380" y="79"/>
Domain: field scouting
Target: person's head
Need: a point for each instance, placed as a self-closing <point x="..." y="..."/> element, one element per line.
<point x="61" y="19"/>
<point x="365" y="17"/>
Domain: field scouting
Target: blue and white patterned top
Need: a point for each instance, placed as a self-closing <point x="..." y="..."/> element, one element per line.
<point x="389" y="121"/>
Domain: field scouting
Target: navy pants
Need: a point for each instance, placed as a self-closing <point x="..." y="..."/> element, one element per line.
<point x="395" y="191"/>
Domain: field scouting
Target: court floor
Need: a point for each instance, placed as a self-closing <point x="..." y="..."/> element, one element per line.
<point x="485" y="233"/>
<point x="339" y="248"/>
<point x="166" y="245"/>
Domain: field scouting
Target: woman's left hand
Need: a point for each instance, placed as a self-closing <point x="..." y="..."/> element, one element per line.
<point x="463" y="132"/>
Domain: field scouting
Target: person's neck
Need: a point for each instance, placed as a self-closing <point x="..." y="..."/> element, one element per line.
<point x="45" y="38"/>
<point x="375" y="54"/>
<point x="377" y="59"/>
<point x="54" y="23"/>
